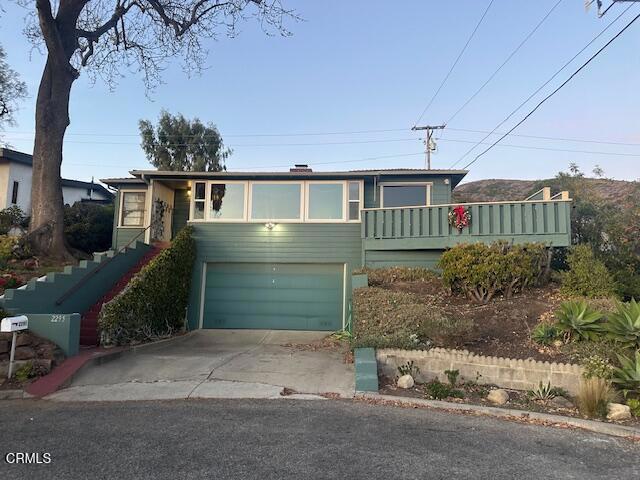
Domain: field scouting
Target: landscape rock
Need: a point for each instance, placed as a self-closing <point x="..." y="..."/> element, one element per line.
<point x="405" y="381"/>
<point x="618" y="411"/>
<point x="561" y="402"/>
<point x="24" y="339"/>
<point x="25" y="353"/>
<point x="498" y="396"/>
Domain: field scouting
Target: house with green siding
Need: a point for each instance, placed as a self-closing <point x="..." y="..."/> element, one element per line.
<point x="277" y="250"/>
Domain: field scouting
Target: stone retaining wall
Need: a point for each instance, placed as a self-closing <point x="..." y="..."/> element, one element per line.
<point x="504" y="372"/>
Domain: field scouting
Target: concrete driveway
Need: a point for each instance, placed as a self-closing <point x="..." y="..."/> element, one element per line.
<point x="219" y="364"/>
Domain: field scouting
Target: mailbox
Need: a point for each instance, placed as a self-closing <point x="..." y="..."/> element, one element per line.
<point x="14" y="324"/>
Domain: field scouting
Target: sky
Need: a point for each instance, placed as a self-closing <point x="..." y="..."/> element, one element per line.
<point x="372" y="67"/>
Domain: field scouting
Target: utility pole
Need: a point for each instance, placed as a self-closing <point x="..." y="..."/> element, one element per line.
<point x="429" y="145"/>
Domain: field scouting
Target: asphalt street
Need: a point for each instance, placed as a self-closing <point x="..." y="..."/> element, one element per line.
<point x="324" y="439"/>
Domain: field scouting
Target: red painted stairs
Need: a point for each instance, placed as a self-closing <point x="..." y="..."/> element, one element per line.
<point x="89" y="322"/>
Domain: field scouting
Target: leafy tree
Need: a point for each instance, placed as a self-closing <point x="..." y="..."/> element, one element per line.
<point x="105" y="38"/>
<point x="612" y="231"/>
<point x="12" y="89"/>
<point x="180" y="144"/>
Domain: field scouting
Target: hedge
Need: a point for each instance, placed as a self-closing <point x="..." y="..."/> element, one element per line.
<point x="480" y="271"/>
<point x="154" y="303"/>
<point x="587" y="276"/>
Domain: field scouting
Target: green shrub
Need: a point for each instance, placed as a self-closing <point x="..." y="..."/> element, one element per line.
<point x="480" y="271"/>
<point x="634" y="406"/>
<point x="627" y="376"/>
<point x="155" y="301"/>
<point x="6" y="247"/>
<point x="88" y="227"/>
<point x="389" y="275"/>
<point x="624" y="324"/>
<point x="439" y="391"/>
<point x="579" y="321"/>
<point x="587" y="276"/>
<point x="545" y="333"/>
<point x="409" y="369"/>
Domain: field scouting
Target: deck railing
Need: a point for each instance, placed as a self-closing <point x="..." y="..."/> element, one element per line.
<point x="428" y="227"/>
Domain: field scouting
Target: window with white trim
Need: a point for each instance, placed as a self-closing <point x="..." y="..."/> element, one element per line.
<point x="199" y="200"/>
<point x="397" y="195"/>
<point x="325" y="201"/>
<point x="354" y="201"/>
<point x="226" y="201"/>
<point x="133" y="209"/>
<point x="276" y="201"/>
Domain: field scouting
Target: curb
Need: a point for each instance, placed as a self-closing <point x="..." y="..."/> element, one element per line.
<point x="612" y="429"/>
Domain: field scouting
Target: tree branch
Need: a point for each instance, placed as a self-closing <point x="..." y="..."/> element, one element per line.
<point x="181" y="26"/>
<point x="52" y="38"/>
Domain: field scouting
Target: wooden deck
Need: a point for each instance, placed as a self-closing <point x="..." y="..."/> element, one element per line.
<point x="413" y="228"/>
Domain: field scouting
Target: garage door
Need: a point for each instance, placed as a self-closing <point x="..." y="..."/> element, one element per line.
<point x="273" y="296"/>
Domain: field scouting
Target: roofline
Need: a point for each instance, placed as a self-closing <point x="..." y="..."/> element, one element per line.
<point x="141" y="177"/>
<point x="15" y="156"/>
<point x="344" y="173"/>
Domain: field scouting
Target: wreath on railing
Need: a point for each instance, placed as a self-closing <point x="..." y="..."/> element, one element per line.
<point x="459" y="217"/>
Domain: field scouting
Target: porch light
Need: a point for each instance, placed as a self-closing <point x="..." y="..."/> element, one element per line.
<point x="269" y="225"/>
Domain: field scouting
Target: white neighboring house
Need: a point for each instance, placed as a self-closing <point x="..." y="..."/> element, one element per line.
<point x="15" y="184"/>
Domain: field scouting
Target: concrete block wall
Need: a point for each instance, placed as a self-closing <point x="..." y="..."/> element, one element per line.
<point x="504" y="372"/>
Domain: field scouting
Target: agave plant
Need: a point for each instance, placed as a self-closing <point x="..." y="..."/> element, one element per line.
<point x="624" y="324"/>
<point x="627" y="376"/>
<point x="579" y="321"/>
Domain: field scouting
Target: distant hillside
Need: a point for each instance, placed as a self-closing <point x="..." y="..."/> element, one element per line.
<point x="611" y="191"/>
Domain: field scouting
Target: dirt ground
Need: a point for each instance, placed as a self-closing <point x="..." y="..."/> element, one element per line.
<point x="501" y="328"/>
<point x="476" y="394"/>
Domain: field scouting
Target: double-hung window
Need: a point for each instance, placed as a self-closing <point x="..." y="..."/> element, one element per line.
<point x="354" y="201"/>
<point x="199" y="200"/>
<point x="133" y="209"/>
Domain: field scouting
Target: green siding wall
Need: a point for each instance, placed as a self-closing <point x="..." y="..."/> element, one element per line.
<point x="440" y="192"/>
<point x="403" y="258"/>
<point x="286" y="243"/>
<point x="181" y="206"/>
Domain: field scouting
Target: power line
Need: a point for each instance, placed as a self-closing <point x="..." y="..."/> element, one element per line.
<point x="508" y="59"/>
<point x="549" y="149"/>
<point x="540" y="137"/>
<point x="453" y="66"/>
<point x="541" y="87"/>
<point x="298" y="134"/>
<point x="584" y="65"/>
<point x="395" y="140"/>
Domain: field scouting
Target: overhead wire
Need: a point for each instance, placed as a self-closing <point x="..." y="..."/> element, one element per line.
<point x="455" y="63"/>
<point x="571" y="77"/>
<point x="566" y="64"/>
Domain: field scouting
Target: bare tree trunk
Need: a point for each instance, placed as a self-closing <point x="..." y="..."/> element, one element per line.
<point x="52" y="118"/>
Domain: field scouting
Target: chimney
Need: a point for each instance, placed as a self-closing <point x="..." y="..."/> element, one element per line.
<point x="300" y="168"/>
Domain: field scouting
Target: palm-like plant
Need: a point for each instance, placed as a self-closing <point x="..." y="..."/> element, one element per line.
<point x="579" y="321"/>
<point x="624" y="324"/>
<point x="627" y="376"/>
